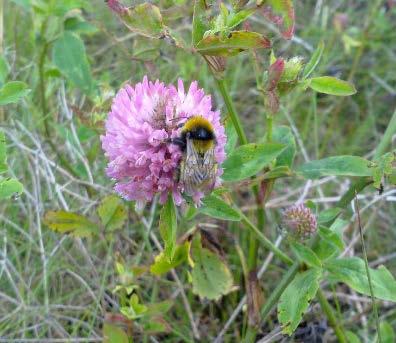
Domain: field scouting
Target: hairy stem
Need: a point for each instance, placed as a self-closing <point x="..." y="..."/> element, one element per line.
<point x="231" y="111"/>
<point x="329" y="312"/>
<point x="265" y="241"/>
<point x="375" y="310"/>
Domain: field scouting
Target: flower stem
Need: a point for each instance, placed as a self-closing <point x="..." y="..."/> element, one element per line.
<point x="231" y="111"/>
<point x="375" y="310"/>
<point x="328" y="310"/>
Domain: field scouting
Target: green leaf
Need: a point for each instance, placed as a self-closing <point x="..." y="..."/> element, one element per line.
<point x="168" y="228"/>
<point x="329" y="215"/>
<point x="3" y="155"/>
<point x="9" y="187"/>
<point x="331" y="85"/>
<point x="284" y="135"/>
<point x="249" y="159"/>
<point x="295" y="300"/>
<point x="135" y="310"/>
<point x="155" y="309"/>
<point x="306" y="255"/>
<point x="155" y="326"/>
<point x="314" y="61"/>
<point x="114" y="334"/>
<point x="216" y="207"/>
<point x="200" y="24"/>
<point x="80" y="26"/>
<point x="352" y="271"/>
<point x="162" y="264"/>
<point x="336" y="165"/>
<point x="277" y="172"/>
<point x="331" y="243"/>
<point x="387" y="333"/>
<point x="70" y="223"/>
<point x="236" y="18"/>
<point x="281" y="13"/>
<point x="69" y="56"/>
<point x="12" y="92"/>
<point x="112" y="213"/>
<point x="234" y="43"/>
<point x="351" y="337"/>
<point x="144" y="19"/>
<point x="211" y="277"/>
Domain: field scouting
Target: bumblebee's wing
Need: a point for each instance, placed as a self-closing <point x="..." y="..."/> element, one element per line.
<point x="197" y="172"/>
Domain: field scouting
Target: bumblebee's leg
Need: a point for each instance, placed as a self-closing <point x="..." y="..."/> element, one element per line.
<point x="181" y="143"/>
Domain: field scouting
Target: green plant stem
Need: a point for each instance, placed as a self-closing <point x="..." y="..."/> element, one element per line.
<point x="265" y="241"/>
<point x="328" y="310"/>
<point x="250" y="336"/>
<point x="270" y="120"/>
<point x="231" y="111"/>
<point x="375" y="310"/>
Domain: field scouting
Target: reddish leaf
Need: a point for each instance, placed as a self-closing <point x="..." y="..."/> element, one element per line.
<point x="274" y="73"/>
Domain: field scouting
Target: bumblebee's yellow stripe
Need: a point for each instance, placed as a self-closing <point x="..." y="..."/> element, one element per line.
<point x="202" y="146"/>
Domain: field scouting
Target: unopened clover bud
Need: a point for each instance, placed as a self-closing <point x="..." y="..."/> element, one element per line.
<point x="340" y="22"/>
<point x="300" y="221"/>
<point x="292" y="68"/>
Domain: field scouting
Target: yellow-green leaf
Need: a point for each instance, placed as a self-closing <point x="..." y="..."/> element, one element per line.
<point x="12" y="92"/>
<point x="112" y="213"/>
<point x="162" y="264"/>
<point x="234" y="43"/>
<point x="70" y="223"/>
<point x="114" y="334"/>
<point x="211" y="277"/>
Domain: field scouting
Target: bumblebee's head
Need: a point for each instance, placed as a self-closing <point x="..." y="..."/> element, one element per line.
<point x="201" y="131"/>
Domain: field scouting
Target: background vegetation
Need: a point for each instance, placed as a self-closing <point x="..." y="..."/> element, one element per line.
<point x="72" y="56"/>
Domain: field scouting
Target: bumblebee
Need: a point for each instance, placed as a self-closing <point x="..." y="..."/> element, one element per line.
<point x="198" y="167"/>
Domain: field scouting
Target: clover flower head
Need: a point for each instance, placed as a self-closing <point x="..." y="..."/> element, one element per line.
<point x="300" y="220"/>
<point x="142" y="121"/>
